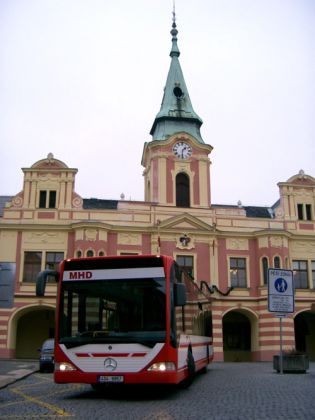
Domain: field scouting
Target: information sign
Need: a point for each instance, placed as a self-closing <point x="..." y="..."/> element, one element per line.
<point x="280" y="291"/>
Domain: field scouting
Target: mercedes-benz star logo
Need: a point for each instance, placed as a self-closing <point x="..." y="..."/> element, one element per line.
<point x="110" y="364"/>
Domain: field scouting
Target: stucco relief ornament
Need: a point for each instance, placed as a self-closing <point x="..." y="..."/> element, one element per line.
<point x="184" y="242"/>
<point x="77" y="202"/>
<point x="279" y="213"/>
<point x="17" y="201"/>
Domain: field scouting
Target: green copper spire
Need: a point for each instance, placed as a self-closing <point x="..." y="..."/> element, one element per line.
<point x="176" y="113"/>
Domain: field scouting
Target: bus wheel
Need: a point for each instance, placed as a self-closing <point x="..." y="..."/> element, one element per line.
<point x="191" y="370"/>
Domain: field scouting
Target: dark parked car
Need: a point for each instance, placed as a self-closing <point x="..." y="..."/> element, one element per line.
<point x="46" y="358"/>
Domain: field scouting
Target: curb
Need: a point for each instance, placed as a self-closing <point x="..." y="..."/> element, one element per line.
<point x="15" y="376"/>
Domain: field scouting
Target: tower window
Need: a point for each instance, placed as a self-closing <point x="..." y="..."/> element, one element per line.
<point x="42" y="199"/>
<point x="304" y="211"/>
<point x="300" y="211"/>
<point x="182" y="190"/>
<point x="47" y="199"/>
<point x="52" y="199"/>
<point x="308" y="211"/>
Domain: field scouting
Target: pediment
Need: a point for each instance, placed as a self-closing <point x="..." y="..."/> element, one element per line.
<point x="89" y="224"/>
<point x="49" y="163"/>
<point x="185" y="222"/>
<point x="301" y="179"/>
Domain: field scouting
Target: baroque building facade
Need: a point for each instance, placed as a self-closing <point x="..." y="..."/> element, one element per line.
<point x="227" y="249"/>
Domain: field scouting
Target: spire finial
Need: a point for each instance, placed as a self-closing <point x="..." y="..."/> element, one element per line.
<point x="174" y="13"/>
<point x="175" y="51"/>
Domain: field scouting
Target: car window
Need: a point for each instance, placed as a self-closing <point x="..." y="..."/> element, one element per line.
<point x="49" y="344"/>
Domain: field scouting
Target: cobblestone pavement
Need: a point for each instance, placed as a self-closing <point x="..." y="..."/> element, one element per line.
<point x="229" y="391"/>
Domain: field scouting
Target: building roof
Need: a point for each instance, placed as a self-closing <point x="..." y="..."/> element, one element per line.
<point x="4" y="199"/>
<point x="176" y="113"/>
<point x="102" y="204"/>
<point x="99" y="204"/>
<point x="251" y="211"/>
<point x="254" y="211"/>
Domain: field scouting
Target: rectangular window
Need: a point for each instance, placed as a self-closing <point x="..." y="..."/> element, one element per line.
<point x="186" y="263"/>
<point x="300" y="274"/>
<point x="32" y="265"/>
<point x="238" y="272"/>
<point x="304" y="211"/>
<point x="47" y="199"/>
<point x="53" y="259"/>
<point x="42" y="199"/>
<point x="52" y="263"/>
<point x="313" y="273"/>
<point x="308" y="211"/>
<point x="52" y="199"/>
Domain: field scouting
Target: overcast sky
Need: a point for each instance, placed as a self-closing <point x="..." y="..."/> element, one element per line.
<point x="84" y="79"/>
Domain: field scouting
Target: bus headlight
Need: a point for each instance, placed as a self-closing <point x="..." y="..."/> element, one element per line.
<point x="64" y="367"/>
<point x="162" y="367"/>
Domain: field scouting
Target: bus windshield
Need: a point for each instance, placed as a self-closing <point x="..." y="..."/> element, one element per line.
<point x="120" y="310"/>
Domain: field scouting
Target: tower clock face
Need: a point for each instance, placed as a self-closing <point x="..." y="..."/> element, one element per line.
<point x="182" y="150"/>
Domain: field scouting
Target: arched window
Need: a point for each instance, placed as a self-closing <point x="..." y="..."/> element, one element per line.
<point x="264" y="263"/>
<point x="182" y="190"/>
<point x="90" y="253"/>
<point x="276" y="262"/>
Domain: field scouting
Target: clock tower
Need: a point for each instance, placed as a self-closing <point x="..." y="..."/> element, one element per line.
<point x="176" y="162"/>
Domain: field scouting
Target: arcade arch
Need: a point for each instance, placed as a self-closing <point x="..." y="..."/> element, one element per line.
<point x="240" y="335"/>
<point x="304" y="330"/>
<point x="28" y="328"/>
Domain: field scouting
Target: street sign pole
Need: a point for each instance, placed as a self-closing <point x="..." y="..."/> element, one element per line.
<point x="280" y="316"/>
<point x="280" y="298"/>
<point x="281" y="354"/>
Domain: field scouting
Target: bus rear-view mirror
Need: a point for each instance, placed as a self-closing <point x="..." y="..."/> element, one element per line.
<point x="41" y="281"/>
<point x="179" y="294"/>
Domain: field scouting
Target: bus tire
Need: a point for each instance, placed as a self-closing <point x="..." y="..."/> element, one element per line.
<point x="191" y="370"/>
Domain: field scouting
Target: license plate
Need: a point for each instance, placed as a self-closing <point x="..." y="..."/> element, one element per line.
<point x="110" y="379"/>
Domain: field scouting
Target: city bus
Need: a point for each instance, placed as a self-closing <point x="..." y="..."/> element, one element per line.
<point x="128" y="320"/>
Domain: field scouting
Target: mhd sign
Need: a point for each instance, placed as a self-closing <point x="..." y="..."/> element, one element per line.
<point x="280" y="291"/>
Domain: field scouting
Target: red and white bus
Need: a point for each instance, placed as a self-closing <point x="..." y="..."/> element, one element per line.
<point x="128" y="319"/>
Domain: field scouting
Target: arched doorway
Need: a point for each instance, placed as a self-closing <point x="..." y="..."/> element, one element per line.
<point x="30" y="328"/>
<point x="304" y="330"/>
<point x="237" y="337"/>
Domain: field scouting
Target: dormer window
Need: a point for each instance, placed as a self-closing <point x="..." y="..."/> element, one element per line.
<point x="47" y="199"/>
<point x="304" y="211"/>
